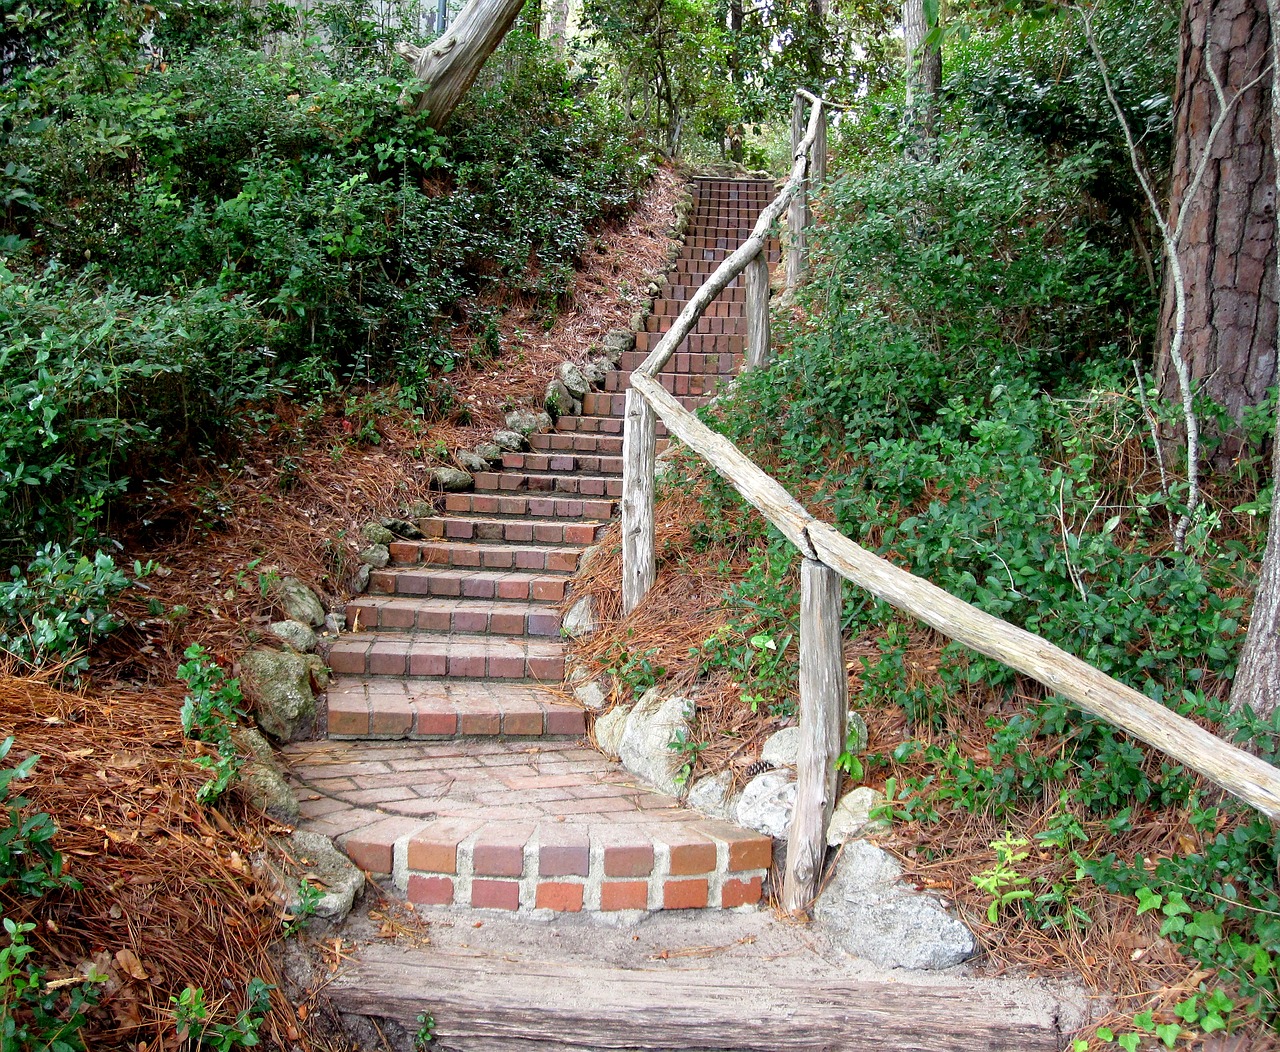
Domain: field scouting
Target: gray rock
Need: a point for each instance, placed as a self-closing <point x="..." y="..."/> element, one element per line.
<point x="511" y="441"/>
<point x="852" y="815"/>
<point x="360" y="579"/>
<point x="527" y="421"/>
<point x="714" y="796"/>
<point x="558" y="400"/>
<point x="580" y="620"/>
<point x="279" y="683"/>
<point x="451" y="480"/>
<point x="335" y="623"/>
<point x="584" y="560"/>
<point x="576" y="672"/>
<point x="296" y="634"/>
<point x="263" y="778"/>
<point x="402" y="528"/>
<point x="300" y="602"/>
<point x="490" y="451"/>
<point x="782" y="748"/>
<point x="376" y="555"/>
<point x="419" y="509"/>
<point x="591" y="696"/>
<point x="472" y="462"/>
<point x="637" y="321"/>
<point x="766" y="804"/>
<point x="620" y="340"/>
<point x="609" y="730"/>
<point x="376" y="533"/>
<point x="645" y="750"/>
<point x="869" y="914"/>
<point x="331" y="871"/>
<point x="595" y="371"/>
<point x="856" y="733"/>
<point x="574" y="380"/>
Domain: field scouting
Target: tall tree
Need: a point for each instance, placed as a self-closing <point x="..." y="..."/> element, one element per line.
<point x="924" y="77"/>
<point x="1226" y="250"/>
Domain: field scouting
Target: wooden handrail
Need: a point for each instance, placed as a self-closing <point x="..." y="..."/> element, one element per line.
<point x="827" y="551"/>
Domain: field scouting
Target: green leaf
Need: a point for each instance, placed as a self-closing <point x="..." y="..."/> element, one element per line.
<point x="931" y="12"/>
<point x="1168" y="1033"/>
<point x="1148" y="900"/>
<point x="1129" y="1042"/>
<point x="1105" y="1034"/>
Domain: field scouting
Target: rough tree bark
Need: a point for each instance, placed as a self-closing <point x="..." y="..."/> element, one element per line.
<point x="1227" y="250"/>
<point x="555" y="23"/>
<point x="1257" y="682"/>
<point x="449" y="65"/>
<point x="924" y="81"/>
<point x="736" y="150"/>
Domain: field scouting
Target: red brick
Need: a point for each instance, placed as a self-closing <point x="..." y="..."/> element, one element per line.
<point x="684" y="895"/>
<point x="495" y="894"/>
<point x="564" y="859"/>
<point x="562" y="897"/>
<point x="565" y="721"/>
<point x="427" y="663"/>
<point x="527" y="723"/>
<point x="348" y="658"/>
<point x="395" y="616"/>
<point x="500" y="854"/>
<point x="391" y="715"/>
<point x="624" y="895"/>
<point x="506" y="666"/>
<point x="740" y="892"/>
<point x="628" y="860"/>
<point x="370" y="848"/>
<point x="692" y="857"/>
<point x="505" y="624"/>
<point x="404" y="551"/>
<point x="430" y="891"/>
<point x="436" y="721"/>
<point x="435" y="848"/>
<point x="348" y="715"/>
<point x="479" y="724"/>
<point x="389" y="659"/>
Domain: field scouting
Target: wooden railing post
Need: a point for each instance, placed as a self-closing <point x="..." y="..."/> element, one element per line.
<point x="818" y="155"/>
<point x="756" y="279"/>
<point x="798" y="213"/>
<point x="639" y="446"/>
<point x="823" y="707"/>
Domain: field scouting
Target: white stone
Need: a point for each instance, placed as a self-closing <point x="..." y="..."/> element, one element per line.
<point x="852" y="815"/>
<point x="300" y="602"/>
<point x="329" y="870"/>
<point x="610" y="728"/>
<point x="580" y="620"/>
<point x="654" y="723"/>
<point x="782" y="749"/>
<point x="591" y="696"/>
<point x="573" y="379"/>
<point x="767" y="803"/>
<point x="714" y="796"/>
<point x="299" y="636"/>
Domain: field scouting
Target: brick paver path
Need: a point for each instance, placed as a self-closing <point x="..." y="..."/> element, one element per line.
<point x="449" y="764"/>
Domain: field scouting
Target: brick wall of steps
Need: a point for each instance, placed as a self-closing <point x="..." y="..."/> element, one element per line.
<point x="453" y="760"/>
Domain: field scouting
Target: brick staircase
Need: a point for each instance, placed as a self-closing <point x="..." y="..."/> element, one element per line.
<point x="452" y="761"/>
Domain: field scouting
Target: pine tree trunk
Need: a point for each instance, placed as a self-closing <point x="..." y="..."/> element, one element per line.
<point x="450" y="64"/>
<point x="555" y="22"/>
<point x="1257" y="682"/>
<point x="736" y="150"/>
<point x="1227" y="248"/>
<point x="924" y="81"/>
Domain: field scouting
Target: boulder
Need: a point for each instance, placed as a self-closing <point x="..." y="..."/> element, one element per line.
<point x="299" y="636"/>
<point x="263" y="778"/>
<point x="589" y="553"/>
<point x="402" y="528"/>
<point x="714" y="796"/>
<point x="619" y="341"/>
<point x="558" y="400"/>
<point x="335" y="623"/>
<point x="591" y="696"/>
<point x="610" y="728"/>
<point x="595" y="371"/>
<point x="490" y="451"/>
<point x="852" y="815"/>
<point x="645" y="750"/>
<point x="300" y="602"/>
<point x="419" y="509"/>
<point x="360" y="579"/>
<point x="328" y="869"/>
<point x="766" y="804"/>
<point x="782" y="748"/>
<point x="376" y="555"/>
<point x="574" y="380"/>
<point x="376" y="533"/>
<point x="527" y="421"/>
<point x="279" y="683"/>
<point x="472" y="462"/>
<point x="451" y="480"/>
<point x="868" y="913"/>
<point x="509" y="441"/>
<point x="580" y="619"/>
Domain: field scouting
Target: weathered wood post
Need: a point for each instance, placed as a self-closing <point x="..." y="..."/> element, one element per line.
<point x="818" y="154"/>
<point x="639" y="446"/>
<point x="798" y="213"/>
<point x="756" y="279"/>
<point x="823" y="708"/>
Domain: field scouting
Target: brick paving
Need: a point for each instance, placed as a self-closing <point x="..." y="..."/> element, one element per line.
<point x="453" y="762"/>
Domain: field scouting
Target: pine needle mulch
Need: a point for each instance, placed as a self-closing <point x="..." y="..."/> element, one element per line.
<point x="174" y="893"/>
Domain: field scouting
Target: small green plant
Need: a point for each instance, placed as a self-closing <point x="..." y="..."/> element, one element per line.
<point x="209" y="714"/>
<point x="27" y="855"/>
<point x="303" y="909"/>
<point x="426" y="1032"/>
<point x="194" y="1029"/>
<point x="33" y="1016"/>
<point x="1002" y="881"/>
<point x="635" y="673"/>
<point x="688" y="751"/>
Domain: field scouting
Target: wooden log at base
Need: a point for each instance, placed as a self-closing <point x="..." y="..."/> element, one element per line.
<point x="824" y="702"/>
<point x="496" y="1004"/>
<point x="639" y="452"/>
<point x="757" y="282"/>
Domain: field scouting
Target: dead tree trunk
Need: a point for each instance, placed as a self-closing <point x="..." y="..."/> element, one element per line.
<point x="924" y="82"/>
<point x="449" y="65"/>
<point x="1227" y="250"/>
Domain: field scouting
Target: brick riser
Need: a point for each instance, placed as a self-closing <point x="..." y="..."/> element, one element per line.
<point x="428" y="775"/>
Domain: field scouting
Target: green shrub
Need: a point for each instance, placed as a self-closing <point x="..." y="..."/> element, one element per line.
<point x="209" y="714"/>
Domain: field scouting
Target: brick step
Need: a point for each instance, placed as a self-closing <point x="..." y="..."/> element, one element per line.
<point x="718" y="310"/>
<point x="565" y="462"/>
<point x="477" y="555"/>
<point x="523" y="482"/>
<point x="381" y="708"/>
<point x="603" y="425"/>
<point x="431" y="656"/>
<point x="469" y="584"/>
<point x="729" y="321"/>
<point x="457" y="616"/>
<point x="695" y="344"/>
<point x="676" y="383"/>
<point x="607" y="403"/>
<point x="695" y="269"/>
<point x="679" y="294"/>
<point x="517" y="531"/>
<point x="726" y="237"/>
<point x="497" y="825"/>
<point x="525" y="505"/>
<point x="685" y="363"/>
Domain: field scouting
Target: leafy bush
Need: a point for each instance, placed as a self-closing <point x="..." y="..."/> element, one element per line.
<point x="209" y="714"/>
